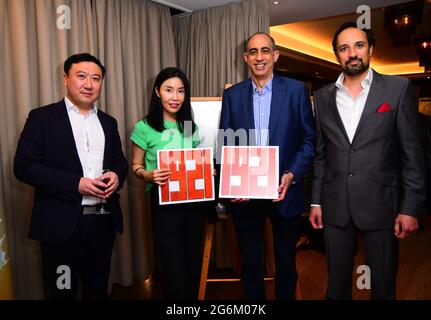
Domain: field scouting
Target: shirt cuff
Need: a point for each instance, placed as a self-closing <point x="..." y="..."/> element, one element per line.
<point x="315" y="205"/>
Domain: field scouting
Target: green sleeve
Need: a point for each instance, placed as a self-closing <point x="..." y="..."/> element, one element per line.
<point x="138" y="135"/>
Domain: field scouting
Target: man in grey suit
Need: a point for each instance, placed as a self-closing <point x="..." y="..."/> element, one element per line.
<point x="369" y="166"/>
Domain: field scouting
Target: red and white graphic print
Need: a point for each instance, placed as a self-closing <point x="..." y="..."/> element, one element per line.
<point x="249" y="172"/>
<point x="191" y="177"/>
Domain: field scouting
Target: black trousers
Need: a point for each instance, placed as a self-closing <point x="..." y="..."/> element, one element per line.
<point x="178" y="238"/>
<point x="86" y="256"/>
<point x="381" y="256"/>
<point x="249" y="220"/>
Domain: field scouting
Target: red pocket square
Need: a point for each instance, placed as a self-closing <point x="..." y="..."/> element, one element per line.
<point x="384" y="107"/>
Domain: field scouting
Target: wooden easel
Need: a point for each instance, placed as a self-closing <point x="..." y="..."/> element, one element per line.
<point x="208" y="240"/>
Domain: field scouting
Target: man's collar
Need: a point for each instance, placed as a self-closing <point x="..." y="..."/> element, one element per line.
<point x="266" y="88"/>
<point x="70" y="106"/>
<point x="364" y="83"/>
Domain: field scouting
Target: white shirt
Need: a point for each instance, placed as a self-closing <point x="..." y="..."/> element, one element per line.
<point x="90" y="144"/>
<point x="350" y="109"/>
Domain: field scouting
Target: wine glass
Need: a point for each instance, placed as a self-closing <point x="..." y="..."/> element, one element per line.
<point x="102" y="209"/>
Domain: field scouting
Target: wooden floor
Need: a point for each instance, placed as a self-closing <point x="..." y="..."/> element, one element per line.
<point x="413" y="280"/>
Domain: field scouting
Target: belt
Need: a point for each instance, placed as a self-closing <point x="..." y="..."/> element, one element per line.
<point x="90" y="209"/>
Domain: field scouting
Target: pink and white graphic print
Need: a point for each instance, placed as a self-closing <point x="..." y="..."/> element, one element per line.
<point x="249" y="172"/>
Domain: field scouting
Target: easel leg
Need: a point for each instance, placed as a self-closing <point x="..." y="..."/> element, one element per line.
<point x="208" y="238"/>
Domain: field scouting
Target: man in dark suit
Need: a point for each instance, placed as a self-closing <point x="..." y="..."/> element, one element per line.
<point x="62" y="152"/>
<point x="274" y="111"/>
<point x="369" y="166"/>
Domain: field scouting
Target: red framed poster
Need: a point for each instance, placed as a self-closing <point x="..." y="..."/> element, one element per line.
<point x="249" y="172"/>
<point x="191" y="177"/>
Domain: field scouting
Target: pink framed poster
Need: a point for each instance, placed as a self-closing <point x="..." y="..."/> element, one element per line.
<point x="249" y="172"/>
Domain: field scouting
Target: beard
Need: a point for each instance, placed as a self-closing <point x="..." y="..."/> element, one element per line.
<point x="354" y="70"/>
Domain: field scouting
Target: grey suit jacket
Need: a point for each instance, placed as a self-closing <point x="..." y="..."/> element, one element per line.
<point x="379" y="174"/>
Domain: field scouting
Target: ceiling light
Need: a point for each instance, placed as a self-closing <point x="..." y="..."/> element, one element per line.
<point x="423" y="49"/>
<point x="402" y="20"/>
<point x="275" y="2"/>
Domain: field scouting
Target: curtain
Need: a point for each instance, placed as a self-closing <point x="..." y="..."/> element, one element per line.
<point x="134" y="40"/>
<point x="33" y="49"/>
<point x="210" y="44"/>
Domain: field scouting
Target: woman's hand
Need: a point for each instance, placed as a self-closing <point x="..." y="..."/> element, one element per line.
<point x="158" y="176"/>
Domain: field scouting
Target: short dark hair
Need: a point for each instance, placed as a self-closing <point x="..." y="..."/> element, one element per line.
<point x="350" y="24"/>
<point x="82" y="57"/>
<point x="255" y="34"/>
<point x="155" y="113"/>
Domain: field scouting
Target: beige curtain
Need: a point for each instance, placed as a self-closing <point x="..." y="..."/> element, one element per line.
<point x="33" y="50"/>
<point x="134" y="39"/>
<point x="210" y="43"/>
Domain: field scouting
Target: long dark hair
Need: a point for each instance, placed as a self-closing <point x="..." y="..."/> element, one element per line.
<point x="155" y="113"/>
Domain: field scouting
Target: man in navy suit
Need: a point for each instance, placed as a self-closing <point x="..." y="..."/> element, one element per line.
<point x="62" y="152"/>
<point x="274" y="111"/>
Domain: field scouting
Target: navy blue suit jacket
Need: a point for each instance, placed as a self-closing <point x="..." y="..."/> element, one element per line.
<point x="291" y="127"/>
<point x="47" y="159"/>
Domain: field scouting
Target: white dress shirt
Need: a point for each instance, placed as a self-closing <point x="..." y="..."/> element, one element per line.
<point x="90" y="144"/>
<point x="350" y="109"/>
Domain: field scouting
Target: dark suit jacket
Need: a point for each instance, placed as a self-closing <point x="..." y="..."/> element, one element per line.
<point x="47" y="159"/>
<point x="291" y="127"/>
<point x="426" y="137"/>
<point x="379" y="174"/>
